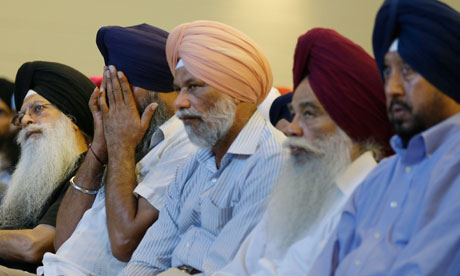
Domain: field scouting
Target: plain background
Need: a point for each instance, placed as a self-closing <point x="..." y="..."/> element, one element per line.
<point x="65" y="31"/>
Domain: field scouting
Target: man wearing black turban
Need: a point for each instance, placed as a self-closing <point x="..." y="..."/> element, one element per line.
<point x="113" y="219"/>
<point x="403" y="219"/>
<point x="56" y="126"/>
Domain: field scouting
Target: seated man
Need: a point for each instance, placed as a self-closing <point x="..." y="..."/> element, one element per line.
<point x="339" y="122"/>
<point x="403" y="219"/>
<point x="109" y="230"/>
<point x="56" y="126"/>
<point x="218" y="197"/>
<point x="9" y="149"/>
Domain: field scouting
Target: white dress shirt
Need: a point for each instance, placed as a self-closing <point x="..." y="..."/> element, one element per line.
<point x="88" y="251"/>
<point x="257" y="257"/>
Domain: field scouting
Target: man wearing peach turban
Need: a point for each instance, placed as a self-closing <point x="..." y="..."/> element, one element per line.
<point x="218" y="195"/>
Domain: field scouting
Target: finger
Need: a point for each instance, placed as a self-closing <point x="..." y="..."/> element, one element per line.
<point x="147" y="115"/>
<point x="93" y="104"/>
<point x="104" y="80"/>
<point x="102" y="102"/>
<point x="109" y="90"/>
<point x="128" y="95"/>
<point x="118" y="94"/>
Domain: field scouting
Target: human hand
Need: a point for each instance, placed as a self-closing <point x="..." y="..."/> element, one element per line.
<point x="123" y="126"/>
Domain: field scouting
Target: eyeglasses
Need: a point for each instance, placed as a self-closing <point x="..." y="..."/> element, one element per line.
<point x="34" y="111"/>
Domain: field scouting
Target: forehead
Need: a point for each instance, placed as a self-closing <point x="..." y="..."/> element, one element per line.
<point x="393" y="57"/>
<point x="183" y="76"/>
<point x="32" y="99"/>
<point x="4" y="106"/>
<point x="304" y="95"/>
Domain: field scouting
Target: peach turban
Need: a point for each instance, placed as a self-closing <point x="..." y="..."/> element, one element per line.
<point x="223" y="57"/>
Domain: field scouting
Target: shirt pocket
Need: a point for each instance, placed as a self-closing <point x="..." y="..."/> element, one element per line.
<point x="214" y="217"/>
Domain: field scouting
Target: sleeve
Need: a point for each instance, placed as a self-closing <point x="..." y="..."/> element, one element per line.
<point x="155" y="184"/>
<point x="153" y="255"/>
<point x="247" y="211"/>
<point x="50" y="215"/>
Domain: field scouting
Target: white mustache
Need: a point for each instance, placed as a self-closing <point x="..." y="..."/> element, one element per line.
<point x="303" y="144"/>
<point x="187" y="112"/>
<point x="23" y="133"/>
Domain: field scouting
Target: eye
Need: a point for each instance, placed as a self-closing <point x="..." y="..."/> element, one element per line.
<point x="386" y="72"/>
<point x="192" y="87"/>
<point x="38" y="109"/>
<point x="308" y="114"/>
<point x="406" y="70"/>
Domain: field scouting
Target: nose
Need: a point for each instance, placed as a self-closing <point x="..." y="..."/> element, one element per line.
<point x="27" y="120"/>
<point x="393" y="85"/>
<point x="293" y="128"/>
<point x="182" y="100"/>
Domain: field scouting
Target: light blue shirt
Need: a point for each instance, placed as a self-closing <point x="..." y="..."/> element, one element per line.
<point x="209" y="211"/>
<point x="404" y="218"/>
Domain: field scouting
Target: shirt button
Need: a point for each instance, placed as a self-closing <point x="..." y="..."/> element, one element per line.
<point x="408" y="169"/>
<point x="393" y="204"/>
<point x="377" y="235"/>
<point x="214" y="180"/>
<point x="357" y="262"/>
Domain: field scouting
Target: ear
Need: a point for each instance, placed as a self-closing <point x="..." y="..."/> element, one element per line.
<point x="75" y="127"/>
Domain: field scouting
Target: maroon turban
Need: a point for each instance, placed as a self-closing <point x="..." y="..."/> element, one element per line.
<point x="346" y="82"/>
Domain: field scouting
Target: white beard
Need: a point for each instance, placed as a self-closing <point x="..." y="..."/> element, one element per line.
<point x="46" y="160"/>
<point x="215" y="123"/>
<point x="306" y="190"/>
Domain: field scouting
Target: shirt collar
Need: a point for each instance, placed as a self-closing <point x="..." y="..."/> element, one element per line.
<point x="247" y="141"/>
<point x="427" y="142"/>
<point x="355" y="173"/>
<point x="165" y="131"/>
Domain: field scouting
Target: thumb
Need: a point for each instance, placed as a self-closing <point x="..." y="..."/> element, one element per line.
<point x="147" y="115"/>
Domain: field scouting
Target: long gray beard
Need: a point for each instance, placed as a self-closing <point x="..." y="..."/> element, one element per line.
<point x="46" y="160"/>
<point x="215" y="123"/>
<point x="160" y="117"/>
<point x="306" y="190"/>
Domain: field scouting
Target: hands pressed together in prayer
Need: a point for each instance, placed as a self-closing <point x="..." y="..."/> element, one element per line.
<point x="117" y="123"/>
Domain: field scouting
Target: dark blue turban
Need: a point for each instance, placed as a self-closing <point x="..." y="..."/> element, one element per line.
<point x="64" y="87"/>
<point x="138" y="51"/>
<point x="280" y="109"/>
<point x="429" y="40"/>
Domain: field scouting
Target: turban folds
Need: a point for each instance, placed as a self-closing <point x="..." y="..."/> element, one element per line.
<point x="138" y="51"/>
<point x="6" y="91"/>
<point x="64" y="87"/>
<point x="429" y="40"/>
<point x="346" y="82"/>
<point x="223" y="57"/>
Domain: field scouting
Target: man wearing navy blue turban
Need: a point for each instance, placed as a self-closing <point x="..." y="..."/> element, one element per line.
<point x="403" y="219"/>
<point x="98" y="227"/>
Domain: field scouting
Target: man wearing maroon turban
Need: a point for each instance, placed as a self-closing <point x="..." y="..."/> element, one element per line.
<point x="339" y="127"/>
<point x="218" y="196"/>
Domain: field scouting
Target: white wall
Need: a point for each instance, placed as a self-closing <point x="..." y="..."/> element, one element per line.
<point x="65" y="31"/>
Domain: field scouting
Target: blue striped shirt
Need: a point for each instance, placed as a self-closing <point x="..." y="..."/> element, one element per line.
<point x="208" y="210"/>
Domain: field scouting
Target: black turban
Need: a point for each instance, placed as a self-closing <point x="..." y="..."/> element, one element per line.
<point x="138" y="51"/>
<point x="6" y="91"/>
<point x="429" y="40"/>
<point x="63" y="86"/>
<point x="280" y="109"/>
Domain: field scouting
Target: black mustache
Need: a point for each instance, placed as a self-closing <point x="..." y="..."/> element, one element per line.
<point x="400" y="103"/>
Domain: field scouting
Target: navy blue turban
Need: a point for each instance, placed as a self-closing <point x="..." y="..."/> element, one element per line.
<point x="138" y="51"/>
<point x="429" y="40"/>
<point x="6" y="91"/>
<point x="66" y="88"/>
<point x="280" y="109"/>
